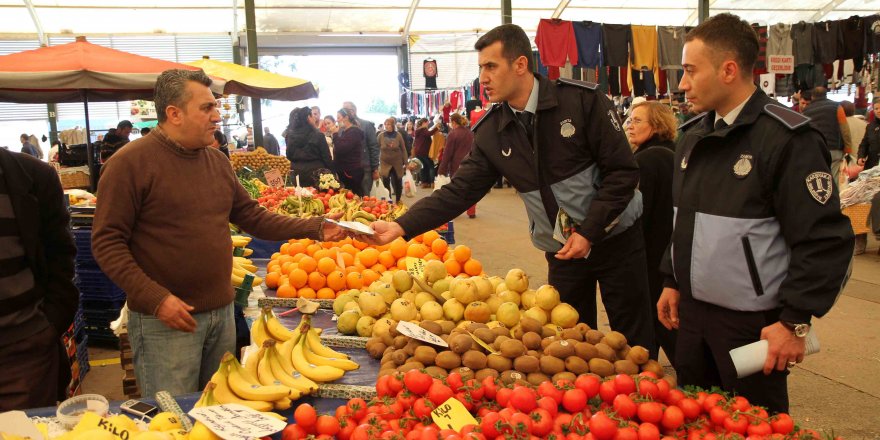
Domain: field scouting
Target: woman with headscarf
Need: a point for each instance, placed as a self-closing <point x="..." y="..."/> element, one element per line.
<point x="458" y="146"/>
<point x="392" y="157"/>
<point x="306" y="147"/>
<point x="348" y="146"/>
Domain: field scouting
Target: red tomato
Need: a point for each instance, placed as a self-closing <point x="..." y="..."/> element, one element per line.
<point x="649" y="431"/>
<point x="521" y="423"/>
<point x="562" y="423"/>
<point x="624" y="384"/>
<point x="602" y="427"/>
<point x="662" y="390"/>
<point x="382" y="387"/>
<point x="548" y="389"/>
<point x="346" y="427"/>
<point x="759" y="429"/>
<point x="542" y="422"/>
<point x="395" y="383"/>
<point x="624" y="406"/>
<point x="293" y="432"/>
<point x="417" y="382"/>
<point x="549" y="404"/>
<point x="711" y="401"/>
<point x="328" y="425"/>
<point x="406" y="399"/>
<point x="490" y="388"/>
<point x="690" y="408"/>
<point x="305" y="416"/>
<point x="649" y="389"/>
<point x="491" y="425"/>
<point x="650" y="412"/>
<point x="736" y="423"/>
<point x="474" y="390"/>
<point x="673" y="418"/>
<point x="574" y="400"/>
<point x="454" y="380"/>
<point x="589" y="383"/>
<point x="503" y="396"/>
<point x="523" y="399"/>
<point x="782" y="423"/>
<point x="717" y="415"/>
<point x="627" y="433"/>
<point x="342" y="412"/>
<point x="740" y="403"/>
<point x="363" y="432"/>
<point x="607" y="391"/>
<point x="439" y="393"/>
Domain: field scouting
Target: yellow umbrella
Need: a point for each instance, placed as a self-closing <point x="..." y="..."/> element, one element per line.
<point x="247" y="81"/>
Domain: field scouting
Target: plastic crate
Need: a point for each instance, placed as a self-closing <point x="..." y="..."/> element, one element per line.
<point x="448" y="234"/>
<point x="102" y="304"/>
<point x="101" y="318"/>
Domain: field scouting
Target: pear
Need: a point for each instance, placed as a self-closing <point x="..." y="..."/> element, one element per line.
<point x="340" y="302"/>
<point x="495" y="280"/>
<point x="442" y="285"/>
<point x="547" y="297"/>
<point x="527" y="299"/>
<point x="403" y="310"/>
<point x="365" y="326"/>
<point x="564" y="315"/>
<point x="465" y="291"/>
<point x="372" y="304"/>
<point x="517" y="280"/>
<point x="388" y="292"/>
<point x="402" y="281"/>
<point x="431" y="311"/>
<point x="347" y="322"/>
<point x="537" y="314"/>
<point x="353" y="305"/>
<point x="477" y="311"/>
<point x="453" y="310"/>
<point x="434" y="271"/>
<point x="383" y="328"/>
<point x="494" y="301"/>
<point x="422" y="298"/>
<point x="501" y="287"/>
<point x="511" y="296"/>
<point x="484" y="287"/>
<point x="508" y="314"/>
<point x="409" y="295"/>
<point x="387" y="277"/>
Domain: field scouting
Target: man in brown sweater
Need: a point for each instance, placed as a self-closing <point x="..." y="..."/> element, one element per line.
<point x="161" y="233"/>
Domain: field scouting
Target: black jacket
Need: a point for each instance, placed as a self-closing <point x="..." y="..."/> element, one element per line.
<point x="823" y="115"/>
<point x="758" y="223"/>
<point x="307" y="149"/>
<point x="581" y="161"/>
<point x="870" y="146"/>
<point x="44" y="224"/>
<point x="655" y="158"/>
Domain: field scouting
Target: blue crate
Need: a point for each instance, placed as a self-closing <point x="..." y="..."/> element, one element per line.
<point x="449" y="234"/>
<point x="100" y="318"/>
<point x="100" y="293"/>
<point x="102" y="304"/>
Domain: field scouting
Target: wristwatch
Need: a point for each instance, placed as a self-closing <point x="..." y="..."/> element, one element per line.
<point x="799" y="329"/>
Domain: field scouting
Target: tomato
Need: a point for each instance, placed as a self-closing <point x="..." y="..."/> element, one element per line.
<point x="342" y="412"/>
<point x="589" y="383"/>
<point x="406" y="399"/>
<point x="490" y="425"/>
<point x="521" y="423"/>
<point x="649" y="431"/>
<point x="417" y="381"/>
<point x="549" y="404"/>
<point x="454" y="381"/>
<point x="674" y="396"/>
<point x="439" y="393"/>
<point x="503" y="396"/>
<point x="602" y="427"/>
<point x="673" y="418"/>
<point x="523" y="399"/>
<point x="293" y="432"/>
<point x="711" y="401"/>
<point x="490" y="388"/>
<point x="736" y="423"/>
<point x="782" y="423"/>
<point x="624" y="406"/>
<point x="740" y="403"/>
<point x="690" y="408"/>
<point x="651" y="412"/>
<point x="382" y="387"/>
<point x="542" y="422"/>
<point x="465" y="400"/>
<point x="662" y="390"/>
<point x="628" y="433"/>
<point x="548" y="389"/>
<point x="574" y="400"/>
<point x="305" y="416"/>
<point x="562" y="422"/>
<point x="649" y="389"/>
<point x="395" y="383"/>
<point x="362" y="432"/>
<point x="717" y="415"/>
<point x="760" y="429"/>
<point x="607" y="391"/>
<point x="346" y="427"/>
<point x="624" y="384"/>
<point x="328" y="425"/>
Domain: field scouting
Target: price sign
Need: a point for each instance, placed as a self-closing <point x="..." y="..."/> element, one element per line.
<point x="236" y="422"/>
<point x="274" y="178"/>
<point x="780" y="63"/>
<point x="415" y="267"/>
<point x="416" y="332"/>
<point x="451" y="414"/>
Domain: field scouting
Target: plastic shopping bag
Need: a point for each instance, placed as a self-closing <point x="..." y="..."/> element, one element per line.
<point x="409" y="184"/>
<point x="379" y="191"/>
<point x="441" y="180"/>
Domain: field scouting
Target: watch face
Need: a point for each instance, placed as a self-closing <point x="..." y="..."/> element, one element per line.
<point x="801" y="330"/>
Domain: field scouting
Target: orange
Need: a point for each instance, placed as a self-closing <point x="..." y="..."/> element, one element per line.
<point x="317" y="280"/>
<point x="360" y="245"/>
<point x="273" y="266"/>
<point x="387" y="259"/>
<point x="286" y="268"/>
<point x="417" y="250"/>
<point x="284" y="259"/>
<point x="308" y="264"/>
<point x="461" y="253"/>
<point x="429" y="237"/>
<point x="447" y="255"/>
<point x="347" y="258"/>
<point x="401" y="264"/>
<point x="439" y="247"/>
<point x="349" y="249"/>
<point x="298" y="278"/>
<point x="321" y="254"/>
<point x="368" y="257"/>
<point x="354" y="280"/>
<point x="296" y="248"/>
<point x="417" y="239"/>
<point x="286" y="291"/>
<point x="307" y="292"/>
<point x="326" y="293"/>
<point x="452" y="267"/>
<point x="272" y="279"/>
<point x="285" y="248"/>
<point x="473" y="267"/>
<point x="336" y="280"/>
<point x="283" y="280"/>
<point x="298" y="257"/>
<point x="275" y="256"/>
<point x="326" y="265"/>
<point x="369" y="276"/>
<point x="312" y="248"/>
<point x="379" y="268"/>
<point x="398" y="248"/>
<point x="431" y="256"/>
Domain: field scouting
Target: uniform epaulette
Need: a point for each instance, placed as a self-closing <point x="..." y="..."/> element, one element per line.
<point x="790" y="118"/>
<point x="692" y="121"/>
<point x="577" y="83"/>
<point x="486" y="116"/>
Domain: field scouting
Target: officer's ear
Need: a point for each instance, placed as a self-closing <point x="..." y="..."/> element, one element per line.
<point x="730" y="71"/>
<point x="521" y="65"/>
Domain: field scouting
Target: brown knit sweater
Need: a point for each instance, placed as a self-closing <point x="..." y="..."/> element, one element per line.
<point x="162" y="223"/>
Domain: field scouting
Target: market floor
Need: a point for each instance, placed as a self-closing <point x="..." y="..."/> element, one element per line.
<point x="837" y="388"/>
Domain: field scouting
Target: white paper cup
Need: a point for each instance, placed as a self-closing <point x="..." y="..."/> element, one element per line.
<point x="749" y="359"/>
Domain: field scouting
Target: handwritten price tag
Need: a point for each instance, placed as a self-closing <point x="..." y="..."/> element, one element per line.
<point x="236" y="422"/>
<point x="274" y="178"/>
<point x="416" y="332"/>
<point x="451" y="414"/>
<point x="415" y="266"/>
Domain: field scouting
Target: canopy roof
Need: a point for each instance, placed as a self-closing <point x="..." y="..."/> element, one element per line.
<point x="246" y="81"/>
<point x="389" y="17"/>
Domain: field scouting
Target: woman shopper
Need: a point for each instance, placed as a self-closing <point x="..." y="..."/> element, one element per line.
<point x="458" y="145"/>
<point x="392" y="157"/>
<point x="651" y="133"/>
<point x="348" y="146"/>
<point x="421" y="150"/>
<point x="869" y="147"/>
<point x="306" y="147"/>
<point x="328" y="127"/>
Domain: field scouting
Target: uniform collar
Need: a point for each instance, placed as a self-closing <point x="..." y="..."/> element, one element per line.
<point x="751" y="109"/>
<point x="543" y="96"/>
<point x="730" y="117"/>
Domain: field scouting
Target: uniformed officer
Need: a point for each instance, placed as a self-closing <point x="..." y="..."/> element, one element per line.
<point x="561" y="146"/>
<point x="759" y="243"/>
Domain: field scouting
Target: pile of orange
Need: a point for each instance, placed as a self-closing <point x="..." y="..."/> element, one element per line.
<point x="323" y="270"/>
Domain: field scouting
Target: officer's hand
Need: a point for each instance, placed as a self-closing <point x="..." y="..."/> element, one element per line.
<point x="861" y="161"/>
<point x="667" y="308"/>
<point x="174" y="313"/>
<point x="577" y="246"/>
<point x="332" y="231"/>
<point x="385" y="232"/>
<point x="783" y="347"/>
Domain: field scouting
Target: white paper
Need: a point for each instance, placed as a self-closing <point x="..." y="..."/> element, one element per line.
<point x="413" y="331"/>
<point x="360" y="228"/>
<point x="18" y="423"/>
<point x="236" y="422"/>
<point x="749" y="359"/>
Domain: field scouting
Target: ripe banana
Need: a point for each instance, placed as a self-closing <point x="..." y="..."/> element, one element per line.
<point x="207" y="397"/>
<point x="254" y="391"/>
<point x="283" y="404"/>
<point x="286" y="374"/>
<point x="266" y="377"/>
<point x="223" y="394"/>
<point x="258" y="332"/>
<point x="275" y="415"/>
<point x="248" y="252"/>
<point x="313" y="338"/>
<point x="276" y="330"/>
<point x="317" y="373"/>
<point x="252" y="361"/>
<point x="240" y="240"/>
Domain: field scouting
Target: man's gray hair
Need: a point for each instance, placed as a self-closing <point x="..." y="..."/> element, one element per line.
<point x="171" y="89"/>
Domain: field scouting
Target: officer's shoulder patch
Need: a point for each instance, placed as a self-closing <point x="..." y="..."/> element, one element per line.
<point x="578" y="83"/>
<point x="692" y="121"/>
<point x="493" y="108"/>
<point x="788" y="117"/>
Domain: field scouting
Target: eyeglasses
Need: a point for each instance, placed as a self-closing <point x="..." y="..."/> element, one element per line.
<point x="636" y="121"/>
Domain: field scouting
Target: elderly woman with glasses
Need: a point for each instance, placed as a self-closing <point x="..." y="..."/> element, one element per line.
<point x="651" y="133"/>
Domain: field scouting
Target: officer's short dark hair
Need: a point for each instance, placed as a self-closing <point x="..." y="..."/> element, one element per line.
<point x="729" y="33"/>
<point x="820" y="93"/>
<point x="171" y="89"/>
<point x="124" y="124"/>
<point x="514" y="40"/>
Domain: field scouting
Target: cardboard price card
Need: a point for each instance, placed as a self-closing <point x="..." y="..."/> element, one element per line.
<point x="274" y="178"/>
<point x="415" y="266"/>
<point x="451" y="414"/>
<point x="236" y="422"/>
<point x="414" y="331"/>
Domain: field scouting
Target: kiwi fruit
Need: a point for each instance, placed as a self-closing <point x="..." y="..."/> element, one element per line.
<point x="621" y="354"/>
<point x="626" y="367"/>
<point x="606" y="352"/>
<point x="474" y="326"/>
<point x="410" y="366"/>
<point x="511" y="377"/>
<point x="447" y="360"/>
<point x="548" y="332"/>
<point x="387" y="339"/>
<point x="518" y="332"/>
<point x="474" y="359"/>
<point x="388" y="351"/>
<point x="593" y="336"/>
<point x="386" y="372"/>
<point x="551" y="365"/>
<point x="560" y="349"/>
<point x="564" y="375"/>
<point x="526" y="364"/>
<point x="582" y="327"/>
<point x="576" y="365"/>
<point x="534" y="353"/>
<point x="425" y="355"/>
<point x="484" y="373"/>
<point x="573" y="333"/>
<point x="460" y="343"/>
<point x="654" y="367"/>
<point x="375" y="348"/>
<point x="390" y="365"/>
<point x="615" y="340"/>
<point x="399" y="357"/>
<point x="446" y="326"/>
<point x="536" y="379"/>
<point x="498" y="362"/>
<point x="486" y="335"/>
<point x="436" y="371"/>
<point x="400" y="341"/>
<point x="601" y="367"/>
<point x="638" y="354"/>
<point x="512" y="348"/>
<point x="410" y="347"/>
<point x="498" y="341"/>
<point x="546" y="342"/>
<point x="585" y="350"/>
<point x="530" y="325"/>
<point x="386" y="357"/>
<point x="501" y="330"/>
<point x="432" y="327"/>
<point x="532" y="340"/>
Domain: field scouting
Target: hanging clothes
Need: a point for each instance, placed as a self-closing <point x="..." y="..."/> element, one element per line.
<point x="670" y="41"/>
<point x="616" y="39"/>
<point x="802" y="43"/>
<point x="556" y="42"/>
<point x="761" y="62"/>
<point x="872" y="33"/>
<point x="852" y="39"/>
<point x="779" y="40"/>
<point x="645" y="63"/>
<point x="588" y="35"/>
<point x="826" y="33"/>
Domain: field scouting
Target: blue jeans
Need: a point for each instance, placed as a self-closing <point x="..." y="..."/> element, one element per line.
<point x="178" y="362"/>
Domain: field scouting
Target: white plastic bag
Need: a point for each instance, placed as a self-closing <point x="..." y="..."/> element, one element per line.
<point x="409" y="184"/>
<point x="379" y="191"/>
<point x="441" y="180"/>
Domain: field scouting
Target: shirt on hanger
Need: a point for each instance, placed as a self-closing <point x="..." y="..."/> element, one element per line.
<point x="556" y="42"/>
<point x="802" y="42"/>
<point x="872" y="33"/>
<point x="825" y="47"/>
<point x="588" y="35"/>
<point x="852" y="40"/>
<point x="779" y="40"/>
<point x="644" y="48"/>
<point x="671" y="42"/>
<point x="616" y="39"/>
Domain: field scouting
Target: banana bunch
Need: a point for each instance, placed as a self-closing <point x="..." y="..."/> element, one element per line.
<point x="363" y="217"/>
<point x="350" y="210"/>
<point x="240" y="268"/>
<point x="232" y="383"/>
<point x="240" y="240"/>
<point x="338" y="201"/>
<point x="267" y="326"/>
<point x="302" y="207"/>
<point x="397" y="212"/>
